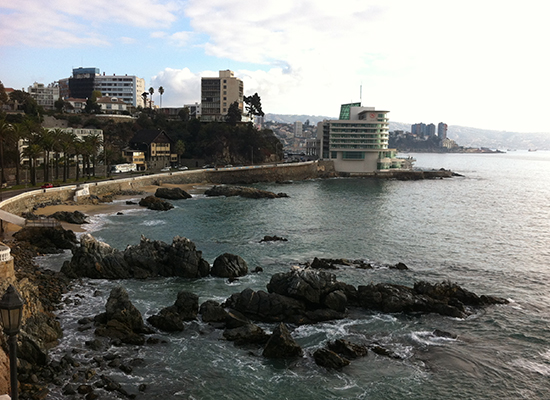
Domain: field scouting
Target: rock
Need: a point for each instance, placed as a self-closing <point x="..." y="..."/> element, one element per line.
<point x="131" y="203"/>
<point x="75" y="217"/>
<point x="212" y="311"/>
<point x="246" y="334"/>
<point x="322" y="264"/>
<point x="329" y="359"/>
<point x="348" y="349"/>
<point x="229" y="266"/>
<point x="252" y="193"/>
<point x="154" y="203"/>
<point x="171" y="318"/>
<point x="444" y="334"/>
<point x="47" y="239"/>
<point x="172" y="193"/>
<point x="273" y="239"/>
<point x="121" y="319"/>
<point x="98" y="260"/>
<point x="399" y="266"/>
<point x="281" y="344"/>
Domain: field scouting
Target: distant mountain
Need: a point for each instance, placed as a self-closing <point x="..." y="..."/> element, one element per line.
<point x="463" y="136"/>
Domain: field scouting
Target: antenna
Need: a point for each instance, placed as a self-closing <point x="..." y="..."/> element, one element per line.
<point x="361" y="93"/>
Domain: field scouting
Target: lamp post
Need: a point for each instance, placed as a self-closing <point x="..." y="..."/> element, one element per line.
<point x="11" y="307"/>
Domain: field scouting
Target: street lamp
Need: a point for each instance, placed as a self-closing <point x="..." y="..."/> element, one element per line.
<point x="11" y="307"/>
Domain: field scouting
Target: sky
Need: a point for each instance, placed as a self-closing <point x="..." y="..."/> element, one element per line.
<point x="482" y="63"/>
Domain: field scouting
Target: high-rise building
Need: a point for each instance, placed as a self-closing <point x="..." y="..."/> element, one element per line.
<point x="359" y="143"/>
<point x="217" y="94"/>
<point x="298" y="129"/>
<point x="129" y="88"/>
<point x="442" y="130"/>
<point x="45" y="96"/>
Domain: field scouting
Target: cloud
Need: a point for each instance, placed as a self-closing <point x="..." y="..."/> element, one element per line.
<point x="64" y="23"/>
<point x="181" y="86"/>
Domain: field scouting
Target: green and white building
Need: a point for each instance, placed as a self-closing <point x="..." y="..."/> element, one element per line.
<point x="358" y="141"/>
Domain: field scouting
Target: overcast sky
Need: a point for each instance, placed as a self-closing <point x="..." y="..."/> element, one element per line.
<point x="483" y="63"/>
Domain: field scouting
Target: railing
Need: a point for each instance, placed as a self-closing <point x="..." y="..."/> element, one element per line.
<point x="43" y="222"/>
<point x="5" y="253"/>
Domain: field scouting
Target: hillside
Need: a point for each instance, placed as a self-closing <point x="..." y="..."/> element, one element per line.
<point x="464" y="136"/>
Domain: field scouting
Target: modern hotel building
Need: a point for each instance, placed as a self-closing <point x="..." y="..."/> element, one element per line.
<point x="358" y="141"/>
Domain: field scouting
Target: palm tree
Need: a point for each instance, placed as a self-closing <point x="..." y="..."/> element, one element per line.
<point x="93" y="143"/>
<point x="161" y="92"/>
<point x="33" y="151"/>
<point x="78" y="150"/>
<point x="18" y="132"/>
<point x="47" y="141"/>
<point x="65" y="146"/>
<point x="144" y="95"/>
<point x="151" y="91"/>
<point x="58" y="137"/>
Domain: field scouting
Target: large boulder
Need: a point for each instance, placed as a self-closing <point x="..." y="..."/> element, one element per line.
<point x="329" y="359"/>
<point x="154" y="203"/>
<point x="248" y="192"/>
<point x="211" y="311"/>
<point x="75" y="217"/>
<point x="47" y="239"/>
<point x="95" y="259"/>
<point x="172" y="193"/>
<point x="121" y="319"/>
<point x="281" y="344"/>
<point x="171" y="318"/>
<point x="246" y="334"/>
<point x="229" y="266"/>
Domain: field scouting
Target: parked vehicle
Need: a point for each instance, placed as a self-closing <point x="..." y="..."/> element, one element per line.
<point x="119" y="168"/>
<point x="165" y="169"/>
<point x="46" y="186"/>
<point x="184" y="168"/>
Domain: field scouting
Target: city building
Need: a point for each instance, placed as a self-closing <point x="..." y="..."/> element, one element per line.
<point x="442" y="130"/>
<point x="217" y="94"/>
<point x="45" y="96"/>
<point x="298" y="129"/>
<point x="135" y="157"/>
<point x="84" y="81"/>
<point x="359" y="142"/>
<point x="112" y="105"/>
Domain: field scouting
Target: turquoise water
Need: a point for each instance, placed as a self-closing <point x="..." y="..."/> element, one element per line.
<point x="487" y="231"/>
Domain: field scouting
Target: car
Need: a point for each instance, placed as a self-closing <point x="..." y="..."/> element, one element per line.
<point x="165" y="169"/>
<point x="207" y="166"/>
<point x="46" y="186"/>
<point x="183" y="168"/>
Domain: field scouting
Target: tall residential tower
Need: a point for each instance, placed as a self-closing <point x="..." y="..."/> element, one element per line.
<point x="217" y="94"/>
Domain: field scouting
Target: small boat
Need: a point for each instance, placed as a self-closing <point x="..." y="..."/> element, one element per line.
<point x="532" y="149"/>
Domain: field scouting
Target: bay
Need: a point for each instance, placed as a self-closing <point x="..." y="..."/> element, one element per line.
<point x="486" y="230"/>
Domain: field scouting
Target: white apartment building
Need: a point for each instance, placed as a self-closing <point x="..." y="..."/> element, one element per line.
<point x="358" y="143"/>
<point x="45" y="96"/>
<point x="127" y="88"/>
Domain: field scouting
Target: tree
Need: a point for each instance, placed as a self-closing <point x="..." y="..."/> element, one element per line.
<point x="233" y="114"/>
<point x="18" y="132"/>
<point x="93" y="143"/>
<point x="161" y="92"/>
<point x="151" y="91"/>
<point x="33" y="151"/>
<point x="184" y="114"/>
<point x="59" y="104"/>
<point x="3" y="96"/>
<point x="253" y="105"/>
<point x="91" y="104"/>
<point x="5" y="131"/>
<point x="47" y="142"/>
<point x="180" y="149"/>
<point x="66" y="141"/>
<point x="144" y="95"/>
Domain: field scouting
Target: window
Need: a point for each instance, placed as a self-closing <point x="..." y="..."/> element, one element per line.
<point x="353" y="155"/>
<point x="333" y="154"/>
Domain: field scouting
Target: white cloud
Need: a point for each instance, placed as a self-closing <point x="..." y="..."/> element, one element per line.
<point x="181" y="86"/>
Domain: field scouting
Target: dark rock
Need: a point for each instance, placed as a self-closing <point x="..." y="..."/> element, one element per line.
<point x="246" y="334"/>
<point x="94" y="259"/>
<point x="247" y="192"/>
<point x="130" y="203"/>
<point x="119" y="213"/>
<point x="172" y="193"/>
<point x="84" y="389"/>
<point x="329" y="359"/>
<point x="281" y="344"/>
<point x="212" y="311"/>
<point x="235" y="319"/>
<point x="273" y="239"/>
<point x="154" y="203"/>
<point x="95" y="344"/>
<point x="302" y="284"/>
<point x="47" y="239"/>
<point x="75" y="217"/>
<point x="336" y="300"/>
<point x="322" y="264"/>
<point x="257" y="270"/>
<point x="382" y="351"/>
<point x="348" y="349"/>
<point x="399" y="266"/>
<point x="171" y="318"/>
<point x="121" y="319"/>
<point x="229" y="266"/>
<point x="444" y="334"/>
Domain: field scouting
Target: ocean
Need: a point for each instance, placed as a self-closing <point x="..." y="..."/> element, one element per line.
<point x="487" y="230"/>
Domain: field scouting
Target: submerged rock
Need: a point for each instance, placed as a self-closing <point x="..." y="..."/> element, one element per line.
<point x="248" y="192"/>
<point x="47" y="239"/>
<point x="75" y="217"/>
<point x="274" y="238"/>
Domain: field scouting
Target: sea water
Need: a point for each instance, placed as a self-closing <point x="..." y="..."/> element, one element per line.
<point x="487" y="230"/>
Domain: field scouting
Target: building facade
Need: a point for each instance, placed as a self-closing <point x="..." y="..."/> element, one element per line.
<point x="359" y="143"/>
<point x="217" y="94"/>
<point x="442" y="130"/>
<point x="45" y="96"/>
<point x="84" y="81"/>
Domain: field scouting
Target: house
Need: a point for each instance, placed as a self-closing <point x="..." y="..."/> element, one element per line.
<point x="112" y="105"/>
<point x="157" y="147"/>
